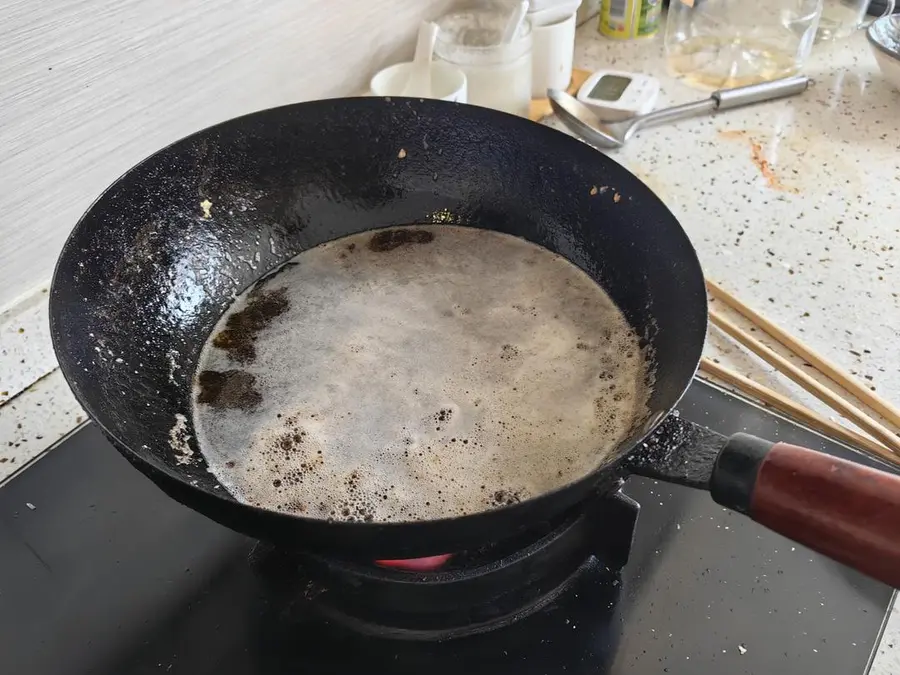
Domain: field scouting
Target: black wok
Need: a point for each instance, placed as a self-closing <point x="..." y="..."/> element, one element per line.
<point x="158" y="257"/>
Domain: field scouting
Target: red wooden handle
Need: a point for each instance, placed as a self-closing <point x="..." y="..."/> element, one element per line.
<point x="850" y="513"/>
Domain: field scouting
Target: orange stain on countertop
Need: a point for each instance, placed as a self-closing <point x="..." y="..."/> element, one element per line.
<point x="759" y="160"/>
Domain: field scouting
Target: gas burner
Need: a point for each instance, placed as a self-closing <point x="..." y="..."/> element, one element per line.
<point x="427" y="564"/>
<point x="472" y="592"/>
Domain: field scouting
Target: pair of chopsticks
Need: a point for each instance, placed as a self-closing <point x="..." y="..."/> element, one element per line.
<point x="887" y="445"/>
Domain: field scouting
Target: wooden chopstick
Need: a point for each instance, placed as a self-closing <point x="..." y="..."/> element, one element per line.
<point x="858" y="417"/>
<point x="819" y="362"/>
<point x="797" y="411"/>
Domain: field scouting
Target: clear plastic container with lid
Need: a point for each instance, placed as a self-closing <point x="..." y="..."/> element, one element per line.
<point x="720" y="44"/>
<point x="498" y="75"/>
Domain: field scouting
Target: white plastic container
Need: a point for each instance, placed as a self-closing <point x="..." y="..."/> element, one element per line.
<point x="497" y="75"/>
<point x="552" y="54"/>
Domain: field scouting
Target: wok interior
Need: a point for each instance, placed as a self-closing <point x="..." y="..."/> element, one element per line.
<point x="157" y="259"/>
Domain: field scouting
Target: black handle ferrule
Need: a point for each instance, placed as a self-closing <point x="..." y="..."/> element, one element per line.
<point x="735" y="471"/>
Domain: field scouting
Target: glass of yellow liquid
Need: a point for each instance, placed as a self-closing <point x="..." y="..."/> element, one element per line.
<point x="719" y="44"/>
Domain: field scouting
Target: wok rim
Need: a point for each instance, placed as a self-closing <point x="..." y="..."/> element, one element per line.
<point x="221" y="497"/>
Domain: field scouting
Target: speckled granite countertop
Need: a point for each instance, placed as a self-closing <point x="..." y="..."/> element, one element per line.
<point x="792" y="206"/>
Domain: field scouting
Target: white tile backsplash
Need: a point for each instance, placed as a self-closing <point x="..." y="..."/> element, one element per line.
<point x="90" y="87"/>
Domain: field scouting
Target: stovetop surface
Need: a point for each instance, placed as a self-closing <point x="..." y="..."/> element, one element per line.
<point x="107" y="575"/>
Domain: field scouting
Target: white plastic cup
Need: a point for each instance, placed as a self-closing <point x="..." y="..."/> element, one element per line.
<point x="553" y="51"/>
<point x="448" y="83"/>
<point x="552" y="11"/>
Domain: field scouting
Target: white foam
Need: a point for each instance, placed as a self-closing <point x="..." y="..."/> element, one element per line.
<point x="427" y="381"/>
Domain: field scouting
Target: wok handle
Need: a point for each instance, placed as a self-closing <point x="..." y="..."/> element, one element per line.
<point x="848" y="512"/>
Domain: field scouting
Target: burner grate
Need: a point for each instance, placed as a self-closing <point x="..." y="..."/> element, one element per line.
<point x="474" y="592"/>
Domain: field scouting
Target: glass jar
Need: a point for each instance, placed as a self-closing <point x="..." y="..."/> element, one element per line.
<point x="720" y="44"/>
<point x="841" y="18"/>
<point x="498" y="75"/>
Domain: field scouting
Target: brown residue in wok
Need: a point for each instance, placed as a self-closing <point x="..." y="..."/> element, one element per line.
<point x="234" y="389"/>
<point x="239" y="336"/>
<point x="388" y="240"/>
<point x="508" y="352"/>
<point x="507" y="497"/>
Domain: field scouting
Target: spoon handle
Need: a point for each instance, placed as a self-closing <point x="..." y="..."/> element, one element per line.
<point x="514" y="23"/>
<point x="757" y="93"/>
<point x="419" y="82"/>
<point x="675" y="113"/>
<point x="726" y="99"/>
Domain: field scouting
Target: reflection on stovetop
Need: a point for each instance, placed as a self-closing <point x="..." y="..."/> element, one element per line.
<point x="107" y="575"/>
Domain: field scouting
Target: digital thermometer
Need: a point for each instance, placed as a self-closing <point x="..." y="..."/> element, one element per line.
<point x="615" y="95"/>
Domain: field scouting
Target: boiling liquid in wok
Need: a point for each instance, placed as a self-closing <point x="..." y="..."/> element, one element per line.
<point x="416" y="373"/>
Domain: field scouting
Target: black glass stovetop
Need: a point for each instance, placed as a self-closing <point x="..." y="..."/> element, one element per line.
<point x="107" y="575"/>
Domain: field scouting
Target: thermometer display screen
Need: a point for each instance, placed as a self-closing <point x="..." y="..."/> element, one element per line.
<point x="610" y="87"/>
